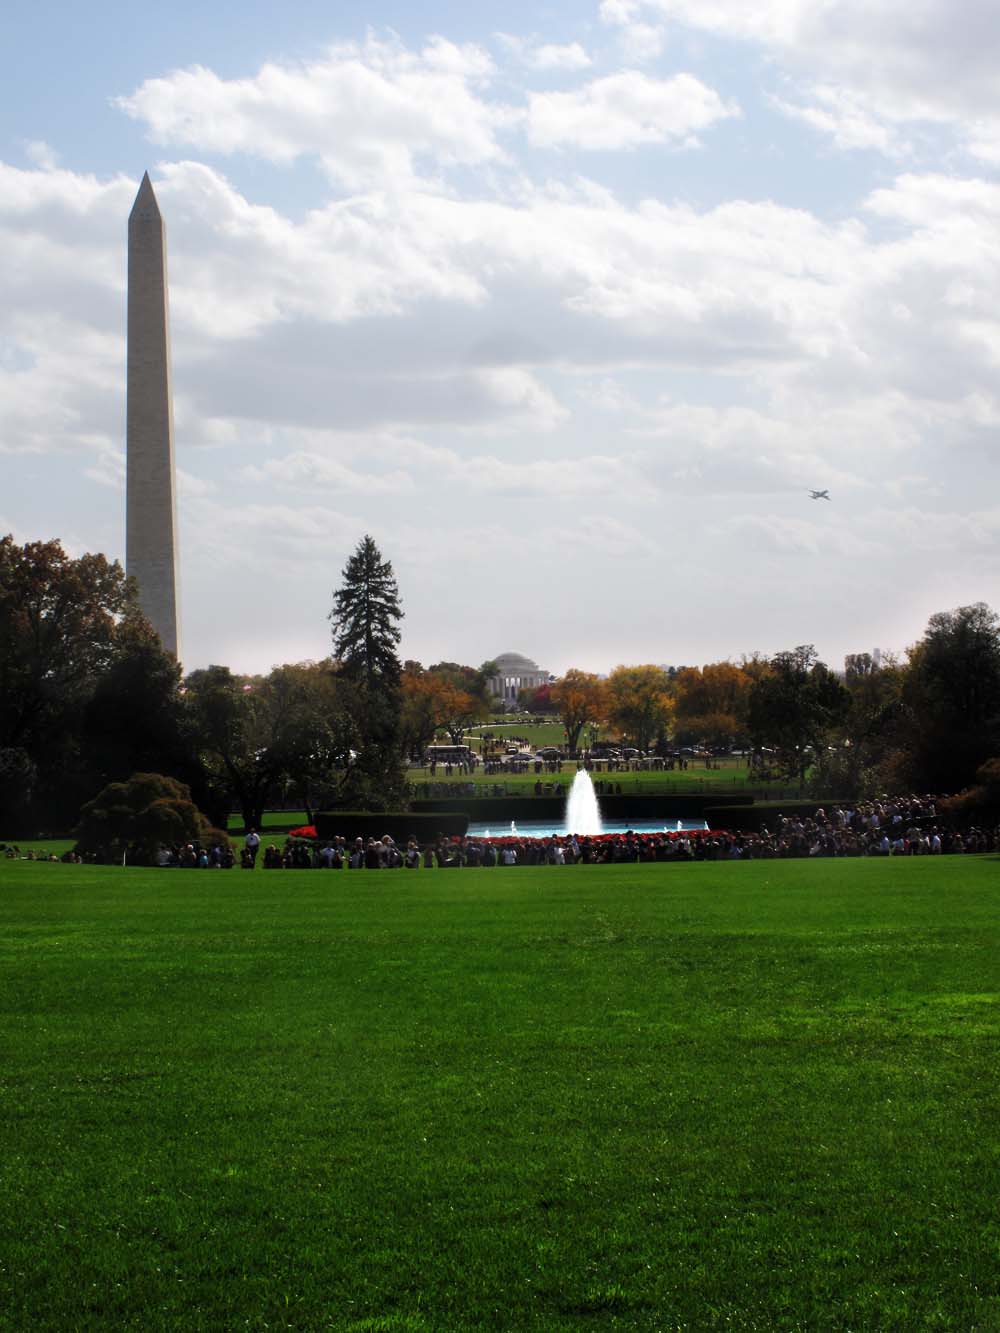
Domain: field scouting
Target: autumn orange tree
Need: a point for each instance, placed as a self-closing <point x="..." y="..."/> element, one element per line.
<point x="640" y="703"/>
<point x="420" y="708"/>
<point x="580" y="698"/>
<point x="711" y="704"/>
<point x="445" y="695"/>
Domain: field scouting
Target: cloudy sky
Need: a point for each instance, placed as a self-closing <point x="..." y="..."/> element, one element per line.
<point x="567" y="305"/>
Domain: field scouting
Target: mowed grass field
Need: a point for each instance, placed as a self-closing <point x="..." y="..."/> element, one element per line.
<point x="736" y="1096"/>
<point x="534" y="732"/>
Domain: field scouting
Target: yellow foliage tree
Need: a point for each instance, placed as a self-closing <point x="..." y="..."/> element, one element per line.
<point x="640" y="703"/>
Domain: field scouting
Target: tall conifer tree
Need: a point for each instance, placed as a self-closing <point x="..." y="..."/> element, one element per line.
<point x="366" y="614"/>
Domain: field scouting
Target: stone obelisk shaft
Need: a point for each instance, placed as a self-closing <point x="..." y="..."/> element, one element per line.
<point x="150" y="503"/>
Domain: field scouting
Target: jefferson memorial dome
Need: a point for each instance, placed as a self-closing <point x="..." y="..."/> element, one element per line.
<point x="515" y="673"/>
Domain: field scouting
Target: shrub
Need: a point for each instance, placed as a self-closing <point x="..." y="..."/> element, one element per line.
<point x="132" y="820"/>
<point x="400" y="825"/>
<point x="979" y="801"/>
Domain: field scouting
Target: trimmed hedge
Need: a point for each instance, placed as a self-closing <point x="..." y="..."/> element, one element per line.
<point x="637" y="805"/>
<point x="749" y="818"/>
<point x="401" y="825"/>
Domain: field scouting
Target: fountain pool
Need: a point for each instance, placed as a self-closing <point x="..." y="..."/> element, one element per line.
<point x="583" y="817"/>
<point x="541" y="828"/>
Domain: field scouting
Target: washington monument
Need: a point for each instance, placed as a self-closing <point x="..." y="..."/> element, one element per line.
<point x="150" y="504"/>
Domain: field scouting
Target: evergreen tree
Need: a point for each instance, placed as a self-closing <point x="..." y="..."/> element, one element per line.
<point x="365" y="617"/>
<point x="366" y="614"/>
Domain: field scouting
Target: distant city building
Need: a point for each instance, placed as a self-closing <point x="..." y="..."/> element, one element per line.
<point x="515" y="673"/>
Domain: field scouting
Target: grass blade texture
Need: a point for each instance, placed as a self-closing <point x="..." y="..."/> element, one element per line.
<point x="701" y="1096"/>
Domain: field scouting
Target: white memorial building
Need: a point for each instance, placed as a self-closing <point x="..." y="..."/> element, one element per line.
<point x="515" y="673"/>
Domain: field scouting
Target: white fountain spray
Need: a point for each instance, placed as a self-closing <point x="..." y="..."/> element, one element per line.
<point x="583" y="814"/>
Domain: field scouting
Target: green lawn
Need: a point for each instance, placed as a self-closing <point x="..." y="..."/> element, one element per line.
<point x="736" y="1096"/>
<point x="41" y="846"/>
<point x="535" y="733"/>
<point x="273" y="819"/>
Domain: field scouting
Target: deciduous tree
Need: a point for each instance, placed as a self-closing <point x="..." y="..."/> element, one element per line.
<point x="87" y="693"/>
<point x="794" y="708"/>
<point x="133" y="720"/>
<point x="711" y="704"/>
<point x="951" y="694"/>
<point x="296" y="726"/>
<point x="58" y="617"/>
<point x="580" y="697"/>
<point x="538" y="701"/>
<point x="864" y="761"/>
<point x="315" y="734"/>
<point x="232" y="719"/>
<point x="640" y="703"/>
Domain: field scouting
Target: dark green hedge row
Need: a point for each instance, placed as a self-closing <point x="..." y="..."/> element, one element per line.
<point x="645" y="805"/>
<point x="749" y="818"/>
<point x="401" y="825"/>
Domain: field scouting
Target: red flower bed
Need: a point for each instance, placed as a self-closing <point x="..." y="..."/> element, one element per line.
<point x="671" y="836"/>
<point x="309" y="831"/>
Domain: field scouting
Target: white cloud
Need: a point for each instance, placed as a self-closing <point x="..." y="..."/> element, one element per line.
<point x="311" y="472"/>
<point x="190" y="486"/>
<point x="894" y="61"/>
<point x="608" y="395"/>
<point x="41" y="154"/>
<point x="850" y="126"/>
<point x="624" y="110"/>
<point x="549" y="55"/>
<point x="971" y="535"/>
<point x="543" y="57"/>
<point x="608" y="537"/>
<point x="441" y="309"/>
<point x="619" y="11"/>
<point x="984" y="141"/>
<point x="779" y="535"/>
<point x="641" y="43"/>
<point x="550" y="363"/>
<point x="401" y="465"/>
<point x="108" y="469"/>
<point x="372" y="113"/>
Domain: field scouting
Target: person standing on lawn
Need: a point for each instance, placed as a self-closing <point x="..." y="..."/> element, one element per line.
<point x="252" y="845"/>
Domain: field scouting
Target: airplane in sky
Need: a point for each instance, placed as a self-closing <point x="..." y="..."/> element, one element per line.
<point x="819" y="495"/>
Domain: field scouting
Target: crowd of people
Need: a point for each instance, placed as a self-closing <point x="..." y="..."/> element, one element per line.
<point x="692" y="845"/>
<point x="907" y="826"/>
<point x="192" y="856"/>
<point x="12" y="852"/>
<point x="902" y="826"/>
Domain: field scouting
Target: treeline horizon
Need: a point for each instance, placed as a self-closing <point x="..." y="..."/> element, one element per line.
<point x="88" y="696"/>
